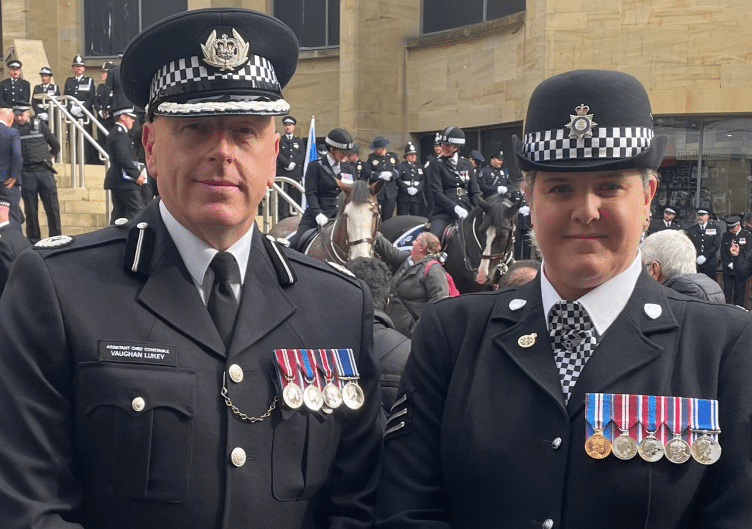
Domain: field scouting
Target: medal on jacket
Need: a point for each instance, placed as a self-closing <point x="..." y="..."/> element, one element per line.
<point x="312" y="396"/>
<point x="705" y="430"/>
<point x="677" y="449"/>
<point x="650" y="447"/>
<point x="624" y="445"/>
<point x="352" y="394"/>
<point x="287" y="368"/>
<point x="597" y="445"/>
<point x="332" y="394"/>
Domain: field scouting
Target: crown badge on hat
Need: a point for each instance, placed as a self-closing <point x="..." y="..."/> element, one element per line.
<point x="225" y="53"/>
<point x="581" y="124"/>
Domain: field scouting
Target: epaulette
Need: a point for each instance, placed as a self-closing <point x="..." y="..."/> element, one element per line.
<point x="285" y="273"/>
<point x="58" y="244"/>
<point x="341" y="269"/>
<point x="310" y="262"/>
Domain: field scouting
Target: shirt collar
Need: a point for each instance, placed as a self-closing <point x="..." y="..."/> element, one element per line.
<point x="197" y="254"/>
<point x="332" y="161"/>
<point x="2" y="224"/>
<point x="605" y="302"/>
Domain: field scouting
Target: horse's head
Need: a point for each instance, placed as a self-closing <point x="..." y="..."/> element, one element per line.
<point x="495" y="234"/>
<point x="361" y="213"/>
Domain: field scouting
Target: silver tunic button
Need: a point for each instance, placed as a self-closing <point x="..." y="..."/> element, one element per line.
<point x="236" y="373"/>
<point x="556" y="443"/>
<point x="238" y="457"/>
<point x="548" y="524"/>
<point x="138" y="404"/>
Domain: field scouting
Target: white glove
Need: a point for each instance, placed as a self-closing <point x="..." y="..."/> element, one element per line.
<point x="501" y="190"/>
<point x="291" y="166"/>
<point x="731" y="266"/>
<point x="76" y="111"/>
<point x="385" y="175"/>
<point x="701" y="260"/>
<point x="412" y="190"/>
<point x="321" y="220"/>
<point x="525" y="210"/>
<point x="43" y="116"/>
<point x="460" y="212"/>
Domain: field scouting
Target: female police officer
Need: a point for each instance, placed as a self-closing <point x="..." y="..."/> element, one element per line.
<point x="510" y="401"/>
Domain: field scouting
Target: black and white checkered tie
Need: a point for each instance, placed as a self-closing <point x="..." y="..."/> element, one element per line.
<point x="573" y="338"/>
<point x="336" y="168"/>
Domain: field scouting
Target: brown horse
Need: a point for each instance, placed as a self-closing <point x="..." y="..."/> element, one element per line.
<point x="350" y="234"/>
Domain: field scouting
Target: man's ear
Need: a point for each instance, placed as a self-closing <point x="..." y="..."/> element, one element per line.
<point x="147" y="140"/>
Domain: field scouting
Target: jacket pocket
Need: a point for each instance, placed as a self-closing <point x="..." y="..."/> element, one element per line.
<point x="136" y="429"/>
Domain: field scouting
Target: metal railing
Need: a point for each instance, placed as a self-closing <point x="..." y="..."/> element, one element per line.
<point x="269" y="210"/>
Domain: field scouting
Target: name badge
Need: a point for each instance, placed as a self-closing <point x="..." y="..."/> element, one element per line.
<point x="138" y="353"/>
<point x="346" y="178"/>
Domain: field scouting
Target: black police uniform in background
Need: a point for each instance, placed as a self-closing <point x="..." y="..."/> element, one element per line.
<point x="491" y="178"/>
<point x="127" y="195"/>
<point x="12" y="243"/>
<point x="14" y="92"/>
<point x="38" y="146"/>
<point x="372" y="168"/>
<point x="733" y="287"/>
<point x="410" y="176"/>
<point x="82" y="88"/>
<point x="40" y="111"/>
<point x="706" y="243"/>
<point x="450" y="184"/>
<point x="103" y="108"/>
<point x="291" y="149"/>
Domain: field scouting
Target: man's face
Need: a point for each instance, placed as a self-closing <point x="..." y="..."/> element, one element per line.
<point x="588" y="225"/>
<point x="289" y="128"/>
<point x="103" y="75"/>
<point x="46" y="78"/>
<point x="381" y="151"/>
<point x="24" y="117"/>
<point x="15" y="73"/>
<point x="668" y="217"/>
<point x="496" y="162"/>
<point x="736" y="229"/>
<point x="411" y="157"/>
<point x="212" y="171"/>
<point x="353" y="157"/>
<point x="79" y="70"/>
<point x="448" y="149"/>
<point x="437" y="150"/>
<point x="126" y="120"/>
<point x="703" y="219"/>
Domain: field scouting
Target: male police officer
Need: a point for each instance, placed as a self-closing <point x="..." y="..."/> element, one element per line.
<point x="142" y="359"/>
<point x="494" y="178"/>
<point x="666" y="223"/>
<point x="382" y="165"/>
<point x="38" y="147"/>
<point x="705" y="238"/>
<point x="14" y="90"/>
<point x="411" y="182"/>
<point x="733" y="286"/>
<point x="46" y="87"/>
<point x="290" y="163"/>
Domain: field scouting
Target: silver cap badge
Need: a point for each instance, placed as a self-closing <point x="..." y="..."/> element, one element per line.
<point x="225" y="53"/>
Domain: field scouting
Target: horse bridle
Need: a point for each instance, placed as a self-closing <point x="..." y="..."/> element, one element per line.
<point x="342" y="255"/>
<point x="504" y="257"/>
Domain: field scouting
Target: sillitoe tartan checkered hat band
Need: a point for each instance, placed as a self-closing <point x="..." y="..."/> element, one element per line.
<point x="606" y="143"/>
<point x="256" y="73"/>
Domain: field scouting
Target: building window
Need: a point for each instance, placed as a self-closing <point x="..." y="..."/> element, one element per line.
<point x="109" y="25"/>
<point x="315" y="22"/>
<point x="441" y="15"/>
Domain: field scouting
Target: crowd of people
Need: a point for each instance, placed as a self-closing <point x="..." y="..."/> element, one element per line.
<point x="181" y="369"/>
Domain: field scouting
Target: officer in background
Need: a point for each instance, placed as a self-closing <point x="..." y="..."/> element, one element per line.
<point x="411" y="183"/>
<point x="357" y="163"/>
<point x="14" y="90"/>
<point x="477" y="159"/>
<point x="46" y="87"/>
<point x="705" y="238"/>
<point x="103" y="104"/>
<point x="382" y="165"/>
<point x="125" y="176"/>
<point x="666" y="223"/>
<point x="83" y="88"/>
<point x="140" y="359"/>
<point x="322" y="181"/>
<point x="38" y="147"/>
<point x="290" y="163"/>
<point x="451" y="183"/>
<point x="733" y="287"/>
<point x="436" y="151"/>
<point x="494" y="178"/>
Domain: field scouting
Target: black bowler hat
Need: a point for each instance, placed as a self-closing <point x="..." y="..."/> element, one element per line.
<point x="589" y="120"/>
<point x="379" y="142"/>
<point x="208" y="62"/>
<point x="410" y="149"/>
<point x="477" y="156"/>
<point x="14" y="63"/>
<point x="452" y="135"/>
<point x="341" y="140"/>
<point x="289" y="120"/>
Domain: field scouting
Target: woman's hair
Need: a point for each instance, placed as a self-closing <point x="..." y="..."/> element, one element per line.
<point x="430" y="242"/>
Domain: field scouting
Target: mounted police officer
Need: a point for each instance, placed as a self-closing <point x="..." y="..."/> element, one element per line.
<point x="321" y="182"/>
<point x="451" y="182"/>
<point x="411" y="183"/>
<point x="38" y="146"/>
<point x="494" y="178"/>
<point x="382" y="165"/>
<point x="290" y="163"/>
<point x="46" y="87"/>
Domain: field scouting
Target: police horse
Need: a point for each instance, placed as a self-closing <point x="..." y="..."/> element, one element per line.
<point x="350" y="234"/>
<point x="479" y="248"/>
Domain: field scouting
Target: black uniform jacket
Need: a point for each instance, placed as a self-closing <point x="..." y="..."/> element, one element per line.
<point x="491" y="178"/>
<point x="291" y="151"/>
<point x="660" y="225"/>
<point x="375" y="165"/>
<point x="410" y="175"/>
<point x="12" y="243"/>
<point x="12" y="94"/>
<point x="79" y="455"/>
<point x="83" y="90"/>
<point x="321" y="187"/>
<point x="120" y="148"/>
<point x="451" y="186"/>
<point x="37" y="104"/>
<point x="706" y="243"/>
<point x="488" y="442"/>
<point x="743" y="238"/>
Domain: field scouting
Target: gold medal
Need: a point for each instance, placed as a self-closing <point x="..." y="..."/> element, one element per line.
<point x="624" y="447"/>
<point x="352" y="396"/>
<point x="650" y="449"/>
<point x="292" y="396"/>
<point x="597" y="445"/>
<point x="706" y="450"/>
<point x="332" y="396"/>
<point x="313" y="398"/>
<point x="677" y="450"/>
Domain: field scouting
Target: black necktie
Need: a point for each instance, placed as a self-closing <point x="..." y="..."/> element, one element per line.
<point x="223" y="307"/>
